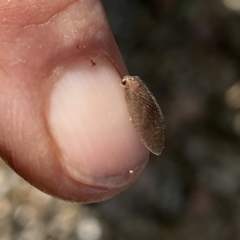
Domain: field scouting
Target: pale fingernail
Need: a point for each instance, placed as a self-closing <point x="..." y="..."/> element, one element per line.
<point x="90" y="124"/>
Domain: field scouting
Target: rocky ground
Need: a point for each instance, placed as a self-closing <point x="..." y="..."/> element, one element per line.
<point x="188" y="53"/>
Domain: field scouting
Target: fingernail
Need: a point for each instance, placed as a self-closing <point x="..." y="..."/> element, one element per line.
<point x="90" y="124"/>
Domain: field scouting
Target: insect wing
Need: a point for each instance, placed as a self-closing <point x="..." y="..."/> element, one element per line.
<point x="145" y="114"/>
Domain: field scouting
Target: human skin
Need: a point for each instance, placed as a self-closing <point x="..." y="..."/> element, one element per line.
<point x="64" y="124"/>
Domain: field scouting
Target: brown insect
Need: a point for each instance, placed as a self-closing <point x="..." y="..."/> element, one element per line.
<point x="145" y="113"/>
<point x="93" y="63"/>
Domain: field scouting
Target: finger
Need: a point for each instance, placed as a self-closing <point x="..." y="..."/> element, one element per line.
<point x="64" y="125"/>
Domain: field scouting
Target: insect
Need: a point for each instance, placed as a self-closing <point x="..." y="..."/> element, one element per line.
<point x="145" y="113"/>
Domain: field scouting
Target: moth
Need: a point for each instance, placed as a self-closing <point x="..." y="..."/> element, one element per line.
<point x="145" y="113"/>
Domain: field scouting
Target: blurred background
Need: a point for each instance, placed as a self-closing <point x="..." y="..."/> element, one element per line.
<point x="188" y="53"/>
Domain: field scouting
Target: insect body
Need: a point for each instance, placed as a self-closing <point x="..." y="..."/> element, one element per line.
<point x="145" y="113"/>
